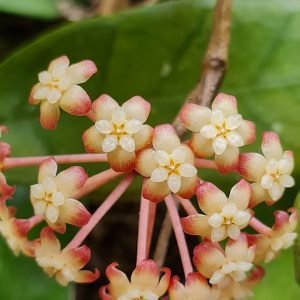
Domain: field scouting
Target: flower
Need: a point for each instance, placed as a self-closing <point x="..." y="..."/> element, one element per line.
<point x="170" y="166"/>
<point x="52" y="196"/>
<point x="270" y="173"/>
<point x="282" y="236"/>
<point x="219" y="131"/>
<point x="223" y="216"/>
<point x="64" y="265"/>
<point x="15" y="231"/>
<point x="222" y="268"/>
<point x="196" y="288"/>
<point x="145" y="282"/>
<point x="119" y="131"/>
<point x="58" y="88"/>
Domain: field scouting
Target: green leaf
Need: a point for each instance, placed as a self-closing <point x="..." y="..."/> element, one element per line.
<point x="43" y="9"/>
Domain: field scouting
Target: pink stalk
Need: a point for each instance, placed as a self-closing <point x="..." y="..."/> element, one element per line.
<point x="152" y="213"/>
<point x="259" y="226"/>
<point x="97" y="181"/>
<point x="101" y="211"/>
<point x="13" y="162"/>
<point x="187" y="206"/>
<point x="180" y="238"/>
<point x="205" y="163"/>
<point x="144" y="230"/>
<point x="35" y="220"/>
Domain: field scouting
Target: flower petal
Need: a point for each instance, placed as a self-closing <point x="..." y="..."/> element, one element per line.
<point x="196" y="225"/>
<point x="47" y="169"/>
<point x="210" y="198"/>
<point x="226" y="103"/>
<point x="121" y="160"/>
<point x="165" y="138"/>
<point x="208" y="258"/>
<point x="155" y="191"/>
<point x="240" y="194"/>
<point x="109" y="143"/>
<point x="247" y="130"/>
<point x="58" y="66"/>
<point x="201" y="146"/>
<point x="271" y="146"/>
<point x="49" y="115"/>
<point x="82" y="71"/>
<point x="252" y="166"/>
<point x="73" y="212"/>
<point x="137" y="108"/>
<point x="143" y="137"/>
<point x="75" y="101"/>
<point x="103" y="107"/>
<point x="188" y="187"/>
<point x="145" y="162"/>
<point x="71" y="180"/>
<point x="93" y="140"/>
<point x="228" y="161"/>
<point x="194" y="116"/>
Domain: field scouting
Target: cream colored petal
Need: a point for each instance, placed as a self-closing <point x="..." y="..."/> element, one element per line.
<point x="145" y="162"/>
<point x="109" y="143"/>
<point x="127" y="143"/>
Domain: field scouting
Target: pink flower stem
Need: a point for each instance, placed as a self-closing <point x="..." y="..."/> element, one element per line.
<point x="180" y="238"/>
<point x="101" y="211"/>
<point x="35" y="220"/>
<point x="205" y="163"/>
<point x="143" y="230"/>
<point x="187" y="206"/>
<point x="259" y="226"/>
<point x="97" y="181"/>
<point x="152" y="213"/>
<point x="13" y="162"/>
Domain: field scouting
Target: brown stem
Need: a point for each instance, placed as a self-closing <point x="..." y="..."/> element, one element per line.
<point x="212" y="73"/>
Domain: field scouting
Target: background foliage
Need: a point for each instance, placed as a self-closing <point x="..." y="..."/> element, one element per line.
<point x="153" y="52"/>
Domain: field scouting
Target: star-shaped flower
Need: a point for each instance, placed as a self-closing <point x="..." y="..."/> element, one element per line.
<point x="219" y="131"/>
<point x="169" y="164"/>
<point x="119" y="131"/>
<point x="58" y="88"/>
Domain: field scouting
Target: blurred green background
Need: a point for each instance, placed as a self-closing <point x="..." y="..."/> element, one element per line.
<point x="156" y="52"/>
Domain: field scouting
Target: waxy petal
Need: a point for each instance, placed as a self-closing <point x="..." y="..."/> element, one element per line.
<point x="103" y="107"/>
<point x="82" y="71"/>
<point x="201" y="146"/>
<point x="194" y="116"/>
<point x="49" y="115"/>
<point x="240" y="194"/>
<point x="196" y="225"/>
<point x="155" y="191"/>
<point x="228" y="161"/>
<point x="210" y="198"/>
<point x="121" y="160"/>
<point x="93" y="140"/>
<point x="137" y="108"/>
<point x="71" y="180"/>
<point x="271" y="146"/>
<point x="252" y="166"/>
<point x="226" y="103"/>
<point x="145" y="162"/>
<point x="165" y="138"/>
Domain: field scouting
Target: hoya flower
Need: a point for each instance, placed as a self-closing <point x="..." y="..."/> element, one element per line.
<point x="224" y="217"/>
<point x="222" y="268"/>
<point x="282" y="236"/>
<point x="269" y="172"/>
<point x="169" y="164"/>
<point x="145" y="283"/>
<point x="58" y="88"/>
<point x="218" y="131"/>
<point x="64" y="265"/>
<point x="196" y="288"/>
<point x="119" y="131"/>
<point x="15" y="231"/>
<point x="52" y="196"/>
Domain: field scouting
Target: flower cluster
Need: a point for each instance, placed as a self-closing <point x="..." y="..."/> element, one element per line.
<point x="225" y="264"/>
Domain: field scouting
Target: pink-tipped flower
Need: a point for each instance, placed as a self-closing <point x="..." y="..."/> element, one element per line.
<point x="224" y="217"/>
<point x="52" y="196"/>
<point x="15" y="231"/>
<point x="269" y="172"/>
<point x="119" y="131"/>
<point x="146" y="282"/>
<point x="58" y="88"/>
<point x="282" y="236"/>
<point x="64" y="265"/>
<point x="219" y="131"/>
<point x="223" y="268"/>
<point x="196" y="288"/>
<point x="170" y="166"/>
